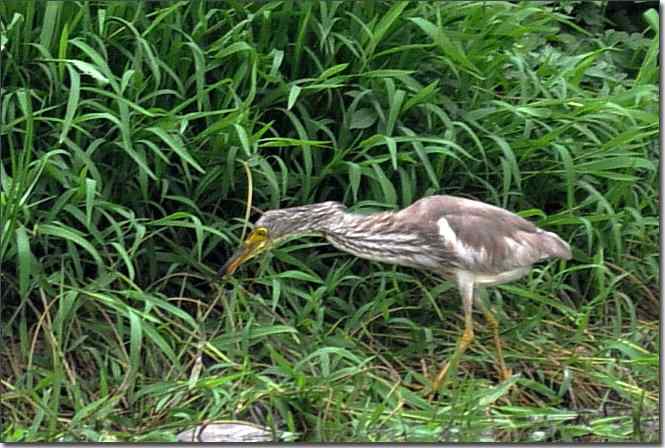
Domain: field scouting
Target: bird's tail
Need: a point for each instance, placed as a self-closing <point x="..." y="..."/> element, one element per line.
<point x="556" y="247"/>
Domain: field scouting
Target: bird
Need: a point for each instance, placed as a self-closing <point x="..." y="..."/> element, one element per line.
<point x="469" y="242"/>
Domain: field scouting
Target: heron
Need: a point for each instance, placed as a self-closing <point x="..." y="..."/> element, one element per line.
<point x="471" y="243"/>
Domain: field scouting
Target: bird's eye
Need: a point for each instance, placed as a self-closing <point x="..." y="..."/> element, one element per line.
<point x="262" y="232"/>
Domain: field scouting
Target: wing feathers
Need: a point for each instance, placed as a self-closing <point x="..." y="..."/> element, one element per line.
<point x="481" y="237"/>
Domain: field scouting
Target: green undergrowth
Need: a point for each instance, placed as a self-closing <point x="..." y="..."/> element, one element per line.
<point x="133" y="135"/>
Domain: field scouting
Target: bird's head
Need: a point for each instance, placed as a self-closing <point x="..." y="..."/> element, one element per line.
<point x="277" y="225"/>
<point x="258" y="241"/>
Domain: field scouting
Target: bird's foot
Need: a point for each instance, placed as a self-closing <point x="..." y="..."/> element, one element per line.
<point x="438" y="381"/>
<point x="505" y="374"/>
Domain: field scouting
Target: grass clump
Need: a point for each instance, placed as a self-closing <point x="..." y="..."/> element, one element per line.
<point x="127" y="132"/>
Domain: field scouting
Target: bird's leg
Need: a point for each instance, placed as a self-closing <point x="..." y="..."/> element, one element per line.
<point x="467" y="290"/>
<point x="504" y="373"/>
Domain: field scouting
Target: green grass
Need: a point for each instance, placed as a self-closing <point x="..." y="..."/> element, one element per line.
<point x="128" y="131"/>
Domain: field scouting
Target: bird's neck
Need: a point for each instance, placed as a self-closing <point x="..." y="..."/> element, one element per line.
<point x="356" y="226"/>
<point x="374" y="237"/>
<point x="335" y="222"/>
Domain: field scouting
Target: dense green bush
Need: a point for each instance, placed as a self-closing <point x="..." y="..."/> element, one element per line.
<point x="134" y="135"/>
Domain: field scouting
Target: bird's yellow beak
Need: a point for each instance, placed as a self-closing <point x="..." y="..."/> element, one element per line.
<point x="254" y="244"/>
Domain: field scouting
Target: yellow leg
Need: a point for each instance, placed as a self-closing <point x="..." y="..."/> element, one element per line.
<point x="450" y="367"/>
<point x="504" y="372"/>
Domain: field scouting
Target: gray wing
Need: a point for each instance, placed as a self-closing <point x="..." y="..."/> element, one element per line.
<point x="480" y="237"/>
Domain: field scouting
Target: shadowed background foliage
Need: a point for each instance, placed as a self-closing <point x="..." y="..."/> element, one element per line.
<point x="133" y="135"/>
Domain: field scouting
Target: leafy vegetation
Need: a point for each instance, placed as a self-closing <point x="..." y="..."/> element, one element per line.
<point x="135" y="134"/>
